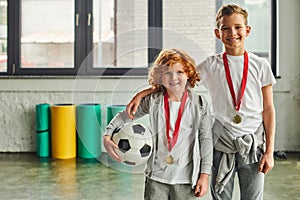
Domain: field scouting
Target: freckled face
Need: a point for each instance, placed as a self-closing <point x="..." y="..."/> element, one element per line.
<point x="174" y="79"/>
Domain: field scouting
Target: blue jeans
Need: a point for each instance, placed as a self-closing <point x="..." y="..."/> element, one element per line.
<point x="251" y="181"/>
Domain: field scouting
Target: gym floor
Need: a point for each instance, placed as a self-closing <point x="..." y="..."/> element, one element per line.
<point x="26" y="176"/>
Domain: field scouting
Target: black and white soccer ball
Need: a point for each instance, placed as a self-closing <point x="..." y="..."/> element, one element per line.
<point x="135" y="143"/>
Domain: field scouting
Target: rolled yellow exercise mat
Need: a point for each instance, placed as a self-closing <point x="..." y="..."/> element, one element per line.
<point x="43" y="130"/>
<point x="112" y="110"/>
<point x="63" y="131"/>
<point x="88" y="123"/>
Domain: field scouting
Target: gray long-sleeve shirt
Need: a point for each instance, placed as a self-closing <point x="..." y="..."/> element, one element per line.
<point x="202" y="147"/>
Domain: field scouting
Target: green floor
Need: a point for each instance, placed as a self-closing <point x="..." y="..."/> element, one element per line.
<point x="25" y="176"/>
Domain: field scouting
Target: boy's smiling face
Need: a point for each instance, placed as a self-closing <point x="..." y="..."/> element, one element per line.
<point x="233" y="32"/>
<point x="174" y="79"/>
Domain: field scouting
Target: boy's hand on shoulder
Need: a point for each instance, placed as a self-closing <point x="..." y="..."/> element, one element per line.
<point x="110" y="147"/>
<point x="134" y="103"/>
<point x="202" y="185"/>
<point x="266" y="163"/>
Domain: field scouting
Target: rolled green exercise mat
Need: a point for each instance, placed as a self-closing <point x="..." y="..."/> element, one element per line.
<point x="63" y="131"/>
<point x="43" y="144"/>
<point x="112" y="110"/>
<point x="43" y="130"/>
<point x="88" y="122"/>
<point x="42" y="117"/>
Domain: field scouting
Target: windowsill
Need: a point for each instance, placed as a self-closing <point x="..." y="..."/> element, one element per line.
<point x="81" y="84"/>
<point x="72" y="83"/>
<point x="70" y="77"/>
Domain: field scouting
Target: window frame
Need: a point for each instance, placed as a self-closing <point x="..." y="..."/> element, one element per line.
<point x="83" y="43"/>
<point x="274" y="39"/>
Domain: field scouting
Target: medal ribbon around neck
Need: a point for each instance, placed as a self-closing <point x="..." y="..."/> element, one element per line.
<point x="172" y="143"/>
<point x="236" y="102"/>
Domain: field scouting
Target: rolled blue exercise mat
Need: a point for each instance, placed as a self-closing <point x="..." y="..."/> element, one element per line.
<point x="112" y="110"/>
<point x="43" y="144"/>
<point x="42" y="117"/>
<point x="88" y="122"/>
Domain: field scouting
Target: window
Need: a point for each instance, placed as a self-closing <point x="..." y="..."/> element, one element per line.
<point x="39" y="41"/>
<point x="117" y="37"/>
<point x="3" y="35"/>
<point x="77" y="37"/>
<point x="47" y="34"/>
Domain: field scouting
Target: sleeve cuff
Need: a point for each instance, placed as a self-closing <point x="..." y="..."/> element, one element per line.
<point x="206" y="169"/>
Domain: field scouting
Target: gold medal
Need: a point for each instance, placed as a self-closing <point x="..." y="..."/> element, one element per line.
<point x="169" y="159"/>
<point x="237" y="119"/>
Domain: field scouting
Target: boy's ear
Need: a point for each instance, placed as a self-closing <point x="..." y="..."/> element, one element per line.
<point x="217" y="33"/>
<point x="248" y="30"/>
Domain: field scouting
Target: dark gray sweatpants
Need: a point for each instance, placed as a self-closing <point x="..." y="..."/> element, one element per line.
<point x="251" y="181"/>
<point x="160" y="191"/>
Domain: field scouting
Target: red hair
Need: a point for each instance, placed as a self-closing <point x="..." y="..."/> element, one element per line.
<point x="167" y="58"/>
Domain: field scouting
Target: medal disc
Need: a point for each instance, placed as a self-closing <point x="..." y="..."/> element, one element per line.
<point x="169" y="159"/>
<point x="237" y="119"/>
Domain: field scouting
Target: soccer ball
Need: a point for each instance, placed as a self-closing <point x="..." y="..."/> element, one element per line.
<point x="135" y="143"/>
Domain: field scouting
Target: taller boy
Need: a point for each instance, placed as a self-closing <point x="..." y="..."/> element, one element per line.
<point x="240" y="86"/>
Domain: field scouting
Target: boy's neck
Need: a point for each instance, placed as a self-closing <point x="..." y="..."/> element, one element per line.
<point x="235" y="52"/>
<point x="175" y="96"/>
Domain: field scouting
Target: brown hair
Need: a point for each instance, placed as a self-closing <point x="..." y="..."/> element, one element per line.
<point x="167" y="58"/>
<point x="229" y="10"/>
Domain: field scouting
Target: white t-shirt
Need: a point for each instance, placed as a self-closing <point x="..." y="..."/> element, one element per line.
<point x="214" y="79"/>
<point x="180" y="171"/>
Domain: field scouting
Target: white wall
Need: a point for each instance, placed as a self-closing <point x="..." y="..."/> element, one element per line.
<point x="20" y="95"/>
<point x="287" y="89"/>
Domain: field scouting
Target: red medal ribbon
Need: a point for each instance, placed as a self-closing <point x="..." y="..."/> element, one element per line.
<point x="236" y="102"/>
<point x="172" y="143"/>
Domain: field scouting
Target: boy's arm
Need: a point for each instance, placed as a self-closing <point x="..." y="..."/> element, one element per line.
<point x="267" y="161"/>
<point x="109" y="145"/>
<point x="205" y="139"/>
<point x="120" y="119"/>
<point x="132" y="106"/>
